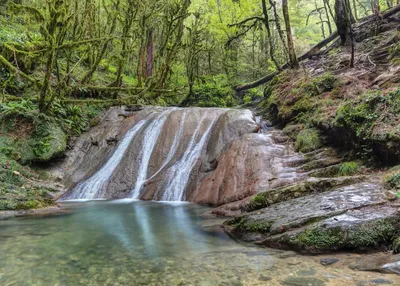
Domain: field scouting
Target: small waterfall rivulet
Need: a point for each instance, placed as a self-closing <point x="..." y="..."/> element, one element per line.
<point x="90" y="188"/>
<point x="157" y="158"/>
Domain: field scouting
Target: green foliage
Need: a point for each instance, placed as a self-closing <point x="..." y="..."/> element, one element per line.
<point x="308" y="140"/>
<point x="22" y="108"/>
<point x="396" y="245"/>
<point x="211" y="95"/>
<point x="393" y="181"/>
<point x="348" y="169"/>
<point x="215" y="92"/>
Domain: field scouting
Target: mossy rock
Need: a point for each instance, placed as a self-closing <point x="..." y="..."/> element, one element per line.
<point x="292" y="130"/>
<point x="318" y="239"/>
<point x="14" y="197"/>
<point x="50" y="146"/>
<point x="308" y="140"/>
<point x="44" y="142"/>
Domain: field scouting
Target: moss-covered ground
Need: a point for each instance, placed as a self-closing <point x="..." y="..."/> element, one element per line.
<point x="28" y="137"/>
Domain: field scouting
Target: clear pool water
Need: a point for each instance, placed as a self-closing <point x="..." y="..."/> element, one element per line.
<point x="144" y="243"/>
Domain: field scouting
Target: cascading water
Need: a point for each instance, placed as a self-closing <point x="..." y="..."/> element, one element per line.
<point x="136" y="162"/>
<point x="175" y="190"/>
<point x="90" y="188"/>
<point x="149" y="141"/>
<point x="173" y="148"/>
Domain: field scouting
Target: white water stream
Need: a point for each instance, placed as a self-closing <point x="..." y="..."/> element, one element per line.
<point x="177" y="166"/>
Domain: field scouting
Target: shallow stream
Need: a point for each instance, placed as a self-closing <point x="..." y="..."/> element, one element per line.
<point x="145" y="243"/>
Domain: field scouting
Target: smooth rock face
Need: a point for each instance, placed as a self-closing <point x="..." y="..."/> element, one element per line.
<point x="160" y="154"/>
<point x="252" y="163"/>
<point x="90" y="150"/>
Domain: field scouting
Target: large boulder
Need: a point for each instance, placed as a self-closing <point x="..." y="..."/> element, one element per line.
<point x="357" y="216"/>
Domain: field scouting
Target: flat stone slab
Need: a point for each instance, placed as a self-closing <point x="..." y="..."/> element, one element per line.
<point x="351" y="217"/>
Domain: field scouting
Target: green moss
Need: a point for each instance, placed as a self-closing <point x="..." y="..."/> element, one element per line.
<point x="258" y="201"/>
<point x="308" y="140"/>
<point x="236" y="221"/>
<point x="292" y="130"/>
<point x="363" y="114"/>
<point x="49" y="143"/>
<point x="372" y="234"/>
<point x="319" y="84"/>
<point x="15" y="197"/>
<point x="262" y="227"/>
<point x="348" y="169"/>
<point x="319" y="239"/>
<point x="244" y="224"/>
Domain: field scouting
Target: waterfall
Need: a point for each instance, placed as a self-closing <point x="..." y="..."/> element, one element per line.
<point x="90" y="188"/>
<point x="181" y="136"/>
<point x="173" y="148"/>
<point x="149" y="141"/>
<point x="180" y="171"/>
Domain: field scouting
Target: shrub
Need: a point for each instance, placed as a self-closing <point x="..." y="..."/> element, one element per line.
<point x="393" y="181"/>
<point x="348" y="169"/>
<point x="308" y="140"/>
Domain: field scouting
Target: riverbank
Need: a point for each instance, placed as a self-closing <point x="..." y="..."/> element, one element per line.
<point x="52" y="210"/>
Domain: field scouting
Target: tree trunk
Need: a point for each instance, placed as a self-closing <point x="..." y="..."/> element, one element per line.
<point x="269" y="34"/>
<point x="343" y="20"/>
<point x="292" y="53"/>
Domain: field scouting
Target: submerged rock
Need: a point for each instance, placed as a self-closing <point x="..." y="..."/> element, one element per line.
<point x="303" y="281"/>
<point x="329" y="261"/>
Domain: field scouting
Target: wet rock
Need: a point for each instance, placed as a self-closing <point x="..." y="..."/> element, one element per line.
<point x="287" y="254"/>
<point x="179" y="130"/>
<point x="372" y="263"/>
<point x="264" y="278"/>
<point x="303" y="281"/>
<point x="304" y="188"/>
<point x="329" y="261"/>
<point x="392" y="267"/>
<point x="375" y="282"/>
<point x="349" y="217"/>
<point x="309" y="272"/>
